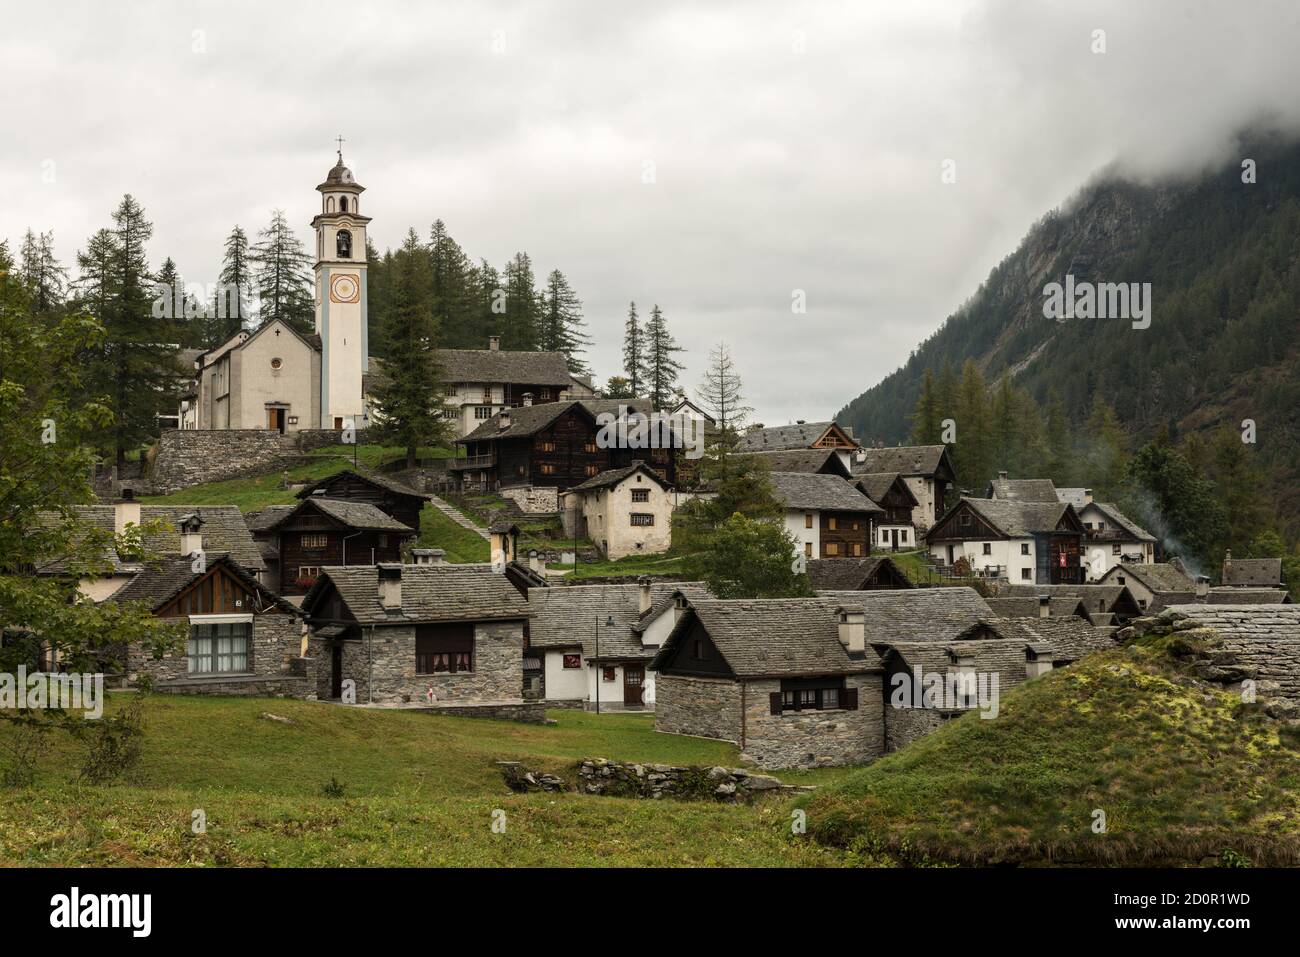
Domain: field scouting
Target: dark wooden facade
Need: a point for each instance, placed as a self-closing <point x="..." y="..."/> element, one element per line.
<point x="308" y="541"/>
<point x="353" y="487"/>
<point x="218" y="591"/>
<point x="561" y="455"/>
<point x="897" y="502"/>
<point x="845" y="534"/>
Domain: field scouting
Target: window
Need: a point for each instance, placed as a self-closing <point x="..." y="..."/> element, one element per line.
<point x="1024" y="548"/>
<point x="640" y="495"/>
<point x="1142" y="603"/>
<point x="546" y="468"/>
<point x="807" y="549"/>
<point x="590" y="447"/>
<point x="964" y="519"/>
<point x="830" y="523"/>
<point x="902" y="536"/>
<point x="449" y="389"/>
<point x="547" y="445"/>
<point x="857" y="549"/>
<point x="572" y="661"/>
<point x="1101" y="605"/>
<point x="314" y="542"/>
<point x="832" y="548"/>
<point x="329" y="205"/>
<point x="988" y="548"/>
<point x="1101" y="526"/>
<point x="593" y="470"/>
<point x="813" y="694"/>
<point x="343" y="244"/>
<point x="1024" y="573"/>
<point x="383" y="541"/>
<point x="1120" y="578"/>
<point x="643" y="519"/>
<point x="482" y="411"/>
<point x="1115" y="549"/>
<point x="276" y="364"/>
<point x="700" y="649"/>
<point x="343" y="204"/>
<point x="444" y="649"/>
<point x="608" y="673"/>
<point x="807" y="520"/>
<point x="544" y="395"/>
<point x="487" y="393"/>
<point x="219" y="648"/>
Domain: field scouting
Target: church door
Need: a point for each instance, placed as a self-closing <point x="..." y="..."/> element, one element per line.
<point x="275" y="420"/>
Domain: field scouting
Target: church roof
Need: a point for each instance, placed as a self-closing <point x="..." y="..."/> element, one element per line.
<point x="340" y="177"/>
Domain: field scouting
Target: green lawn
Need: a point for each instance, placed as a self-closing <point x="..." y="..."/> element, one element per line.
<point x="461" y="545"/>
<point x="633" y="565"/>
<point x="1185" y="774"/>
<point x="419" y="789"/>
<point x="255" y="492"/>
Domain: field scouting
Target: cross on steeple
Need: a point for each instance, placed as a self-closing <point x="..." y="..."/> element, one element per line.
<point x="341" y="141"/>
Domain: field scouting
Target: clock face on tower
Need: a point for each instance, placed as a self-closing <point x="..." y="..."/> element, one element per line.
<point x="345" y="289"/>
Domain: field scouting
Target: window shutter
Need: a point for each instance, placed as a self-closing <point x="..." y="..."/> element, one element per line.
<point x="850" y="696"/>
<point x="774" y="700"/>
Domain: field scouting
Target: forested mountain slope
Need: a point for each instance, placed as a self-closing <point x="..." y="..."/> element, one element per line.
<point x="1223" y="260"/>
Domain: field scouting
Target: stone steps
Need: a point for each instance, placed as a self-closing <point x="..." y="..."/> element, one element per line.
<point x="457" y="516"/>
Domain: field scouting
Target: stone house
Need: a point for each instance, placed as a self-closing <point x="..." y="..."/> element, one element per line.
<point x="823" y="461"/>
<point x="791" y="681"/>
<point x="389" y="496"/>
<point x="856" y="574"/>
<point x="1259" y="642"/>
<point x="446" y="636"/>
<point x="594" y="642"/>
<point x="825" y="515"/>
<point x="624" y="511"/>
<point x="1021" y="490"/>
<point x="1105" y="604"/>
<point x="243" y="639"/>
<point x="1156" y="585"/>
<point x="1111" y="538"/>
<point x="1014" y="541"/>
<point x="322" y="531"/>
<point x="917" y="614"/>
<point x="800" y="435"/>
<point x="1251" y="572"/>
<point x="1038" y="606"/>
<point x="480" y="383"/>
<point x="894" y="529"/>
<point x="927" y="470"/>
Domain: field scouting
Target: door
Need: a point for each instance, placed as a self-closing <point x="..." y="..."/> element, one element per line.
<point x="275" y="420"/>
<point x="336" y="672"/>
<point x="893" y="536"/>
<point x="633" y="679"/>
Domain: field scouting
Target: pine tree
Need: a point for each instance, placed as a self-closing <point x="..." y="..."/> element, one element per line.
<point x="184" y="310"/>
<point x="561" y="327"/>
<point x="926" y="429"/>
<point x="45" y="279"/>
<point x="452" y="288"/>
<point x="283" y="276"/>
<point x="409" y="407"/>
<point x="232" y="310"/>
<point x="634" y="364"/>
<point x="521" y="322"/>
<point x="488" y="292"/>
<point x="661" y="368"/>
<point x="721" y="393"/>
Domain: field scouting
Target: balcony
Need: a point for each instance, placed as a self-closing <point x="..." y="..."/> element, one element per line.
<point x="471" y="462"/>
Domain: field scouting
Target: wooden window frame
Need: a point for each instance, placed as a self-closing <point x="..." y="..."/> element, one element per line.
<point x="640" y="495"/>
<point x="647" y="519"/>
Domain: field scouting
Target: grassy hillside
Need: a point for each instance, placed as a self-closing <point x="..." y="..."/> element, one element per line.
<point x="418" y="789"/>
<point x="1185" y="774"/>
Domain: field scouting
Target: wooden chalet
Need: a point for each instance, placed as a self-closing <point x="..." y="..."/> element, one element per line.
<point x="800" y="435"/>
<point x="392" y="498"/>
<point x="927" y="470"/>
<point x="894" y="529"/>
<point x="327" y="532"/>
<point x="553" y="445"/>
<point x="856" y="574"/>
<point x="826" y="516"/>
<point x="821" y="461"/>
<point x="1019" y="542"/>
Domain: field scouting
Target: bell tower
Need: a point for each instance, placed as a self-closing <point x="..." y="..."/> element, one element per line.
<point x="341" y="320"/>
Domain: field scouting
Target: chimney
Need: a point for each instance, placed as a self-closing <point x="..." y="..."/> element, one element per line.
<point x="861" y="456"/>
<point x="1087" y="496"/>
<point x="643" y="594"/>
<point x="799" y="421"/>
<point x="429" y="556"/>
<point x="536" y="562"/>
<point x="1038" y="660"/>
<point x="494" y="343"/>
<point x="126" y="511"/>
<point x="1202" y="587"/>
<point x="1002" y="476"/>
<point x="1227" y="566"/>
<point x="504" y="420"/>
<point x="528" y="398"/>
<point x="1044" y="606"/>
<point x="853" y="628"/>
<point x="390" y="587"/>
<point x="191" y="536"/>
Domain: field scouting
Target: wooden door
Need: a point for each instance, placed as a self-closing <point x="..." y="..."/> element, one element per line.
<point x="893" y="536"/>
<point x="633" y="679"/>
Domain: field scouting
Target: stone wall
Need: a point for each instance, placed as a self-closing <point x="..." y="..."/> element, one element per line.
<point x="529" y="712"/>
<point x="389" y="660"/>
<point x="187" y="457"/>
<point x="905" y="725"/>
<point x="814" y="738"/>
<point x="534" y="501"/>
<point x="703" y="707"/>
<point x="277" y="641"/>
<point x="285" y="686"/>
<point x="308" y="440"/>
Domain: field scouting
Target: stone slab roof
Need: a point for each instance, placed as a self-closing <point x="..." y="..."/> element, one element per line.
<point x="846" y="574"/>
<point x="1254" y="622"/>
<point x="488" y="365"/>
<point x="568" y="616"/>
<point x="916" y="614"/>
<point x="1018" y="519"/>
<point x="1122" y="528"/>
<point x="1058" y="606"/>
<point x="1157" y="576"/>
<point x="528" y="420"/>
<point x="263" y="520"/>
<point x="158" y="583"/>
<point x="1092" y="596"/>
<point x="611" y="477"/>
<point x="1078" y="497"/>
<point x="1237" y="595"/>
<point x="1023" y="490"/>
<point x="352" y="514"/>
<point x="430" y="593"/>
<point x="1264" y="572"/>
<point x="803" y="460"/>
<point x="782" y="437"/>
<point x="1070" y="637"/>
<point x="876" y="485"/>
<point x="814" y="491"/>
<point x="904" y="459"/>
<point x="774" y="637"/>
<point x="1004" y="657"/>
<point x="373" y="478"/>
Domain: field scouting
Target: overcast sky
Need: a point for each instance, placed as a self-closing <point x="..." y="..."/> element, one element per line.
<point x="793" y="146"/>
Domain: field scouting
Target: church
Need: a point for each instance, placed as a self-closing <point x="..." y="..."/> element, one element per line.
<point x="276" y="378"/>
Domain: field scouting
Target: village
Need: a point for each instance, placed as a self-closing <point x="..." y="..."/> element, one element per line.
<point x="923" y="600"/>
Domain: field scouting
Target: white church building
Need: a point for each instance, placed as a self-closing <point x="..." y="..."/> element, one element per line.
<point x="277" y="378"/>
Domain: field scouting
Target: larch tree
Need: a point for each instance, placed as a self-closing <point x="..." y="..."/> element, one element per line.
<point x="283" y="276"/>
<point x="721" y="393"/>
<point x="662" y="367"/>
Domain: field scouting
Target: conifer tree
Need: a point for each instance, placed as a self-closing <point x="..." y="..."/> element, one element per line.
<point x="283" y="276"/>
<point x="451" y="285"/>
<point x="661" y="366"/>
<point x="562" y="322"/>
<point x="45" y="279"/>
<point x="634" y="363"/>
<point x="409" y="400"/>
<point x="232" y="308"/>
<point x="721" y="393"/>
<point x="488" y="292"/>
<point x="519" y="328"/>
<point x="925" y="420"/>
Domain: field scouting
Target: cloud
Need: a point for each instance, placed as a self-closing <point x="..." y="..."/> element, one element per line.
<point x="795" y="146"/>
